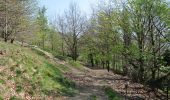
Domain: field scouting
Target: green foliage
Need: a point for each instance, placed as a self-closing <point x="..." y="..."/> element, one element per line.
<point x="38" y="52"/>
<point x="75" y="64"/>
<point x="14" y="98"/>
<point x="164" y="69"/>
<point x="1" y="98"/>
<point x="34" y="70"/>
<point x="19" y="88"/>
<point x="18" y="13"/>
<point x="41" y="27"/>
<point x="93" y="97"/>
<point x="112" y="94"/>
<point x="61" y="57"/>
<point x="18" y="72"/>
<point x="134" y="35"/>
<point x="2" y="81"/>
<point x="64" y="68"/>
<point x="167" y="57"/>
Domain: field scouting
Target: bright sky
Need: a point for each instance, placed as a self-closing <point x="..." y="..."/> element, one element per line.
<point x="55" y="7"/>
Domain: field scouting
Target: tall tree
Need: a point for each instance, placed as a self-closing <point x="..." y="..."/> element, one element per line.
<point x="42" y="26"/>
<point x="12" y="14"/>
<point x="148" y="27"/>
<point x="75" y="27"/>
<point x="61" y="28"/>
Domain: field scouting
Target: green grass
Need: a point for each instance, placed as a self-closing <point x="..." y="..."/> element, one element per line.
<point x="19" y="88"/>
<point x="14" y="98"/>
<point x="1" y="98"/>
<point x="75" y="64"/>
<point x="38" y="52"/>
<point x="64" y="68"/>
<point x="31" y="68"/>
<point x="53" y="80"/>
<point x="93" y="97"/>
<point x="61" y="57"/>
<point x="112" y="95"/>
<point x="2" y="81"/>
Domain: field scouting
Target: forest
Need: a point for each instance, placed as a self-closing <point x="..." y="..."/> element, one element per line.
<point x="130" y="38"/>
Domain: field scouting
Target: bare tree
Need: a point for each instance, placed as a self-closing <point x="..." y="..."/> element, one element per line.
<point x="12" y="13"/>
<point x="75" y="22"/>
<point x="61" y="28"/>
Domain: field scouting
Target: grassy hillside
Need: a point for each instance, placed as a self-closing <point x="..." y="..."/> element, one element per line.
<point x="26" y="73"/>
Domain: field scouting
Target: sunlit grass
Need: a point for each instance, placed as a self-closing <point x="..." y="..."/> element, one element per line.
<point x="30" y="67"/>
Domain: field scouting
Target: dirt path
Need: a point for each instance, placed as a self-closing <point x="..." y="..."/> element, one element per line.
<point x="90" y="84"/>
<point x="86" y="85"/>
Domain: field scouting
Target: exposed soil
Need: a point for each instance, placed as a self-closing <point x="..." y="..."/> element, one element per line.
<point x="91" y="82"/>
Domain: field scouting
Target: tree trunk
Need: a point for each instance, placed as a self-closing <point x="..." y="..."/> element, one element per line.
<point x="141" y="70"/>
<point x="12" y="40"/>
<point x="91" y="59"/>
<point x="43" y="44"/>
<point x="141" y="62"/>
<point x="103" y="64"/>
<point x="52" y="48"/>
<point x="153" y="53"/>
<point x="5" y="39"/>
<point x="75" y="53"/>
<point x="153" y="74"/>
<point x="108" y="65"/>
<point x="114" y="63"/>
<point x="62" y="45"/>
<point x="22" y="43"/>
<point x="97" y="63"/>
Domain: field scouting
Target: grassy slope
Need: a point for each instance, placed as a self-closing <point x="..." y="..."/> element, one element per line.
<point x="25" y="73"/>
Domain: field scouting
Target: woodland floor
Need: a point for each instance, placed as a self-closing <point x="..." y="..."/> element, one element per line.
<point x="91" y="82"/>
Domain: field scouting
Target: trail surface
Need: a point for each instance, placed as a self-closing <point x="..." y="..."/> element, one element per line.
<point x="90" y="83"/>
